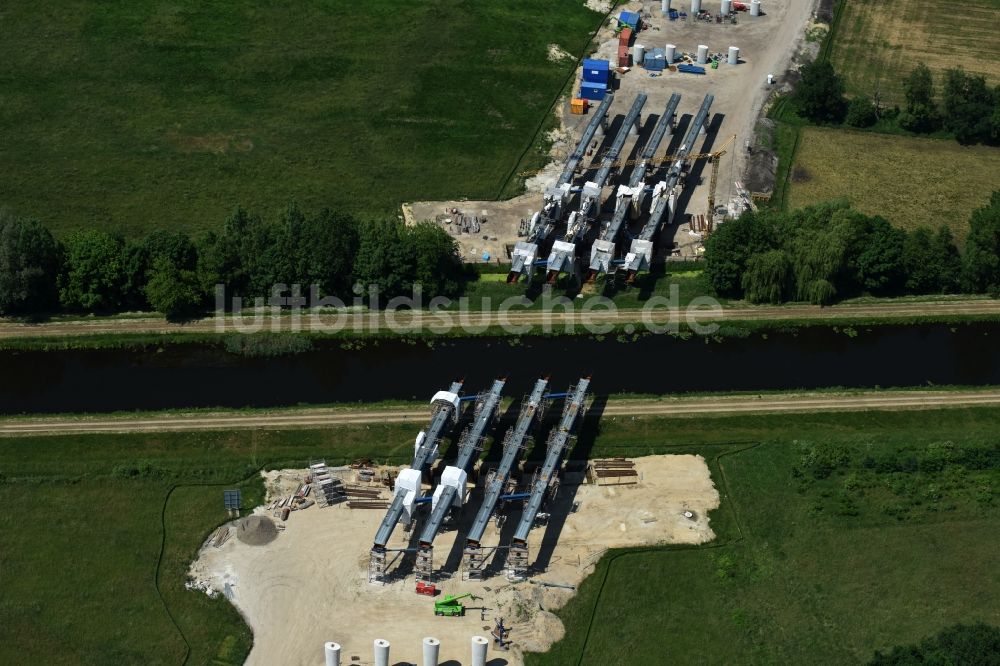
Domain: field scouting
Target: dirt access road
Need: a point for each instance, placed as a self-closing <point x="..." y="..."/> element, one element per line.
<point x="520" y="322"/>
<point x="296" y="418"/>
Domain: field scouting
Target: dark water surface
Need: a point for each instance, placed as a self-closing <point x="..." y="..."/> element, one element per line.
<point x="202" y="376"/>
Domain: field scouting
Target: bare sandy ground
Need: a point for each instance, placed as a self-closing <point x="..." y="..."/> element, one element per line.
<point x="310" y="584"/>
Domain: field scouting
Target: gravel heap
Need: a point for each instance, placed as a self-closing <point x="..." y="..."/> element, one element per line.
<point x="256" y="530"/>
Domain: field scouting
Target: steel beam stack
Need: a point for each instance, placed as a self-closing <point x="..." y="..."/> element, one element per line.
<point x="630" y="197"/>
<point x="563" y="255"/>
<point x="513" y="443"/>
<point x="555" y="447"/>
<point x="664" y="203"/>
<point x="451" y="490"/>
<point x="543" y="222"/>
<point x="446" y="411"/>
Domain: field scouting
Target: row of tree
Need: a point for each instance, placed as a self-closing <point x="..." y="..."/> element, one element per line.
<point x="93" y="271"/>
<point x="828" y="252"/>
<point x="969" y="109"/>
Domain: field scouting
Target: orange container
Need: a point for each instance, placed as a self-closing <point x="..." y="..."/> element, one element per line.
<point x="625" y="36"/>
<point x="578" y="106"/>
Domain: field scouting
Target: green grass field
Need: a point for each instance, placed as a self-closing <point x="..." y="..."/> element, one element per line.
<point x="907" y="180"/>
<point x="79" y="548"/>
<point x="806" y="570"/>
<point x="878" y="42"/>
<point x="152" y="114"/>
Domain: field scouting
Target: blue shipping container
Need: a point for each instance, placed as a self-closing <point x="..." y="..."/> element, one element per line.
<point x="653" y="63"/>
<point x="594" y="91"/>
<point x="631" y="19"/>
<point x="596" y="71"/>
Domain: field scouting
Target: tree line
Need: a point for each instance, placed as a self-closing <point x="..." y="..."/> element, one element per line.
<point x="828" y="252"/>
<point x="95" y="271"/>
<point x="969" y="109"/>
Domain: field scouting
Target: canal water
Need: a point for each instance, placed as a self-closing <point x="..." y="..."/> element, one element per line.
<point x="204" y="376"/>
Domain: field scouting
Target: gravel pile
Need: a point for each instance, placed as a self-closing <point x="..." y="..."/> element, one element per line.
<point x="256" y="530"/>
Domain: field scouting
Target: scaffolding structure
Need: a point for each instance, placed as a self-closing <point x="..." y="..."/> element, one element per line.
<point x="554" y="200"/>
<point x="449" y="496"/>
<point x="446" y="409"/>
<point x="514" y="441"/>
<point x="542" y="487"/>
<point x="563" y="256"/>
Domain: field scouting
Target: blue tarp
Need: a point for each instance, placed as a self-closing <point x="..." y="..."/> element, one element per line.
<point x="592" y="90"/>
<point x="596" y="71"/>
<point x="691" y="69"/>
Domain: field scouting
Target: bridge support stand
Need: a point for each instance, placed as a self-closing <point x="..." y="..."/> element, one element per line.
<point x="425" y="565"/>
<point x="517" y="562"/>
<point x="376" y="567"/>
<point x="473" y="563"/>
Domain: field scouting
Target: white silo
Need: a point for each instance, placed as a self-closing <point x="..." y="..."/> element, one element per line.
<point x="702" y="54"/>
<point x="381" y="652"/>
<point x="734" y="55"/>
<point x="432" y="646"/>
<point x="479" y="646"/>
<point x="670" y="53"/>
<point x="332" y="652"/>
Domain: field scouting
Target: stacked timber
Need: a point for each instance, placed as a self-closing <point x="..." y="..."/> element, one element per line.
<point x="612" y="471"/>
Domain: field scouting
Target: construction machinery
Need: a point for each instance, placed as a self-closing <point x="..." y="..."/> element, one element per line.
<point x="545" y="483"/>
<point x="406" y="493"/>
<point x="563" y="255"/>
<point x="630" y="197"/>
<point x="514" y="441"/>
<point x="714" y="157"/>
<point x="544" y="221"/>
<point x="665" y="196"/>
<point x="450" y="606"/>
<point x="450" y="492"/>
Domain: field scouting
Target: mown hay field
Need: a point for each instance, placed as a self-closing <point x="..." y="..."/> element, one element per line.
<point x="877" y="42"/>
<point x="909" y="181"/>
<point x="132" y="116"/>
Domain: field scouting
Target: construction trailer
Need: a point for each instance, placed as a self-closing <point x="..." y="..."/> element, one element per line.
<point x="629" y="198"/>
<point x="545" y="484"/>
<point x="554" y="200"/>
<point x="450" y="494"/>
<point x="406" y="492"/>
<point x="563" y="257"/>
<point x="497" y="483"/>
<point x="666" y="193"/>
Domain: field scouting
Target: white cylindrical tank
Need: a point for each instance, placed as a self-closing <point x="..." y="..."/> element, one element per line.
<point x="727" y="6"/>
<point x="702" y="54"/>
<point x="754" y="7"/>
<point x="479" y="646"/>
<point x="381" y="652"/>
<point x="734" y="55"/>
<point x="665" y="6"/>
<point x="332" y="652"/>
<point x="670" y="54"/>
<point x="431" y="648"/>
<point x="638" y="54"/>
<point x="770" y="79"/>
<point x="695" y="6"/>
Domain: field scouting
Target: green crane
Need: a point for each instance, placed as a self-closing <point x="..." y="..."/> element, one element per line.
<point x="450" y="605"/>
